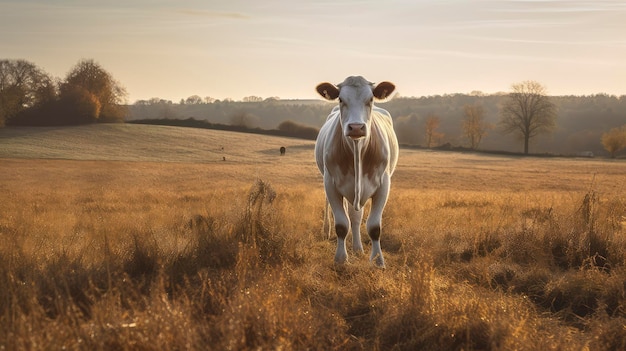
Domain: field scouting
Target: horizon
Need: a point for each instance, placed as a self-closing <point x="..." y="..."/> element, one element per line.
<point x="173" y="50"/>
<point x="392" y="97"/>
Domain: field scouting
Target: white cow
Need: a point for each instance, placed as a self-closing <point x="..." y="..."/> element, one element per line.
<point x="357" y="151"/>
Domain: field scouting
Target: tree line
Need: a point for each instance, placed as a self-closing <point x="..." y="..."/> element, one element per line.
<point x="568" y="125"/>
<point x="525" y="119"/>
<point x="31" y="97"/>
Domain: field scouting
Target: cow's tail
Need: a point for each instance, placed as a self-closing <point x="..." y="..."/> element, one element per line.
<point x="327" y="227"/>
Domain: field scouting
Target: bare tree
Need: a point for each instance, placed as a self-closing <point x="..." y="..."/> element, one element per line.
<point x="431" y="125"/>
<point x="614" y="140"/>
<point x="252" y="99"/>
<point x="528" y="111"/>
<point x="474" y="125"/>
<point x="193" y="100"/>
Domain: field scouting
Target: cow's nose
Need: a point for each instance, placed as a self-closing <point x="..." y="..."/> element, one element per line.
<point x="356" y="130"/>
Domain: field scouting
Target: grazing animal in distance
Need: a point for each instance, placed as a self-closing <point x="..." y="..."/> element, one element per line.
<point x="283" y="150"/>
<point x="356" y="151"/>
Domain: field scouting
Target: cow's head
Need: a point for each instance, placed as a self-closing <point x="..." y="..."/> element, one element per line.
<point x="356" y="96"/>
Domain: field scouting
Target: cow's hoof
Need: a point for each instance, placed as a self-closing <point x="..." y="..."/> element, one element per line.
<point x="341" y="259"/>
<point x="358" y="251"/>
<point x="378" y="261"/>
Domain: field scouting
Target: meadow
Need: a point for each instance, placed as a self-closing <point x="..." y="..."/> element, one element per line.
<point x="131" y="237"/>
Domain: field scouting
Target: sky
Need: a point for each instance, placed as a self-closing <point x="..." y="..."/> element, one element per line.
<point x="284" y="48"/>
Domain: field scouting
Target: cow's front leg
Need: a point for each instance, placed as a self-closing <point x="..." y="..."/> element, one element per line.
<point x="374" y="221"/>
<point x="342" y="223"/>
<point x="355" y="220"/>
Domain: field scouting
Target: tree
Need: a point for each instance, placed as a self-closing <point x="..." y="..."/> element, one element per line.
<point x="77" y="106"/>
<point x="193" y="100"/>
<point x="431" y="125"/>
<point x="408" y="128"/>
<point x="298" y="130"/>
<point x="614" y="140"/>
<point x="244" y="119"/>
<point x="474" y="125"/>
<point x="22" y="86"/>
<point x="252" y="99"/>
<point x="110" y="95"/>
<point x="527" y="111"/>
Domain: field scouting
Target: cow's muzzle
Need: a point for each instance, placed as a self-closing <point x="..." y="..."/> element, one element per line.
<point x="356" y="130"/>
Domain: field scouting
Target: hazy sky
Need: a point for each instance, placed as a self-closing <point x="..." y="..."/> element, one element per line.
<point x="236" y="48"/>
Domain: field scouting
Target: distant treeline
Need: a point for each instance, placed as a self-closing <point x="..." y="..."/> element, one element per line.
<point x="89" y="94"/>
<point x="580" y="123"/>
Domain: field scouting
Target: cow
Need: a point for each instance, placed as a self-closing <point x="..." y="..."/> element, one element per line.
<point x="356" y="151"/>
<point x="283" y="150"/>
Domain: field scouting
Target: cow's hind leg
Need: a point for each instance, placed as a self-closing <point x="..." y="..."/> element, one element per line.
<point x="326" y="228"/>
<point x="355" y="221"/>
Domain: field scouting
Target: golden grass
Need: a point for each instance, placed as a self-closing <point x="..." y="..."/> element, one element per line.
<point x="483" y="252"/>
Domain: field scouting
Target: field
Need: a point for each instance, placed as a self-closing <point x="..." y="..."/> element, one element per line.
<point x="130" y="237"/>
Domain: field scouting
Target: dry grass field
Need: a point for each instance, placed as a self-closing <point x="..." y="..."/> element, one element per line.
<point x="129" y="237"/>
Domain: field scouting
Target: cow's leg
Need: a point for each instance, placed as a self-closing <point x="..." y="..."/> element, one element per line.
<point x="355" y="220"/>
<point x="374" y="221"/>
<point x="326" y="230"/>
<point x="342" y="223"/>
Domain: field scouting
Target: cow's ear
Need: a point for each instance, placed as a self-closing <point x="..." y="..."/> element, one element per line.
<point x="383" y="90"/>
<point x="328" y="91"/>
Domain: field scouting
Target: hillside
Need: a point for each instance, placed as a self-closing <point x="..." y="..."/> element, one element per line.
<point x="245" y="157"/>
<point x="130" y="142"/>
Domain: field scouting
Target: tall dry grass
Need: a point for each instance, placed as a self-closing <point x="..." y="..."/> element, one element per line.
<point x="147" y="256"/>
